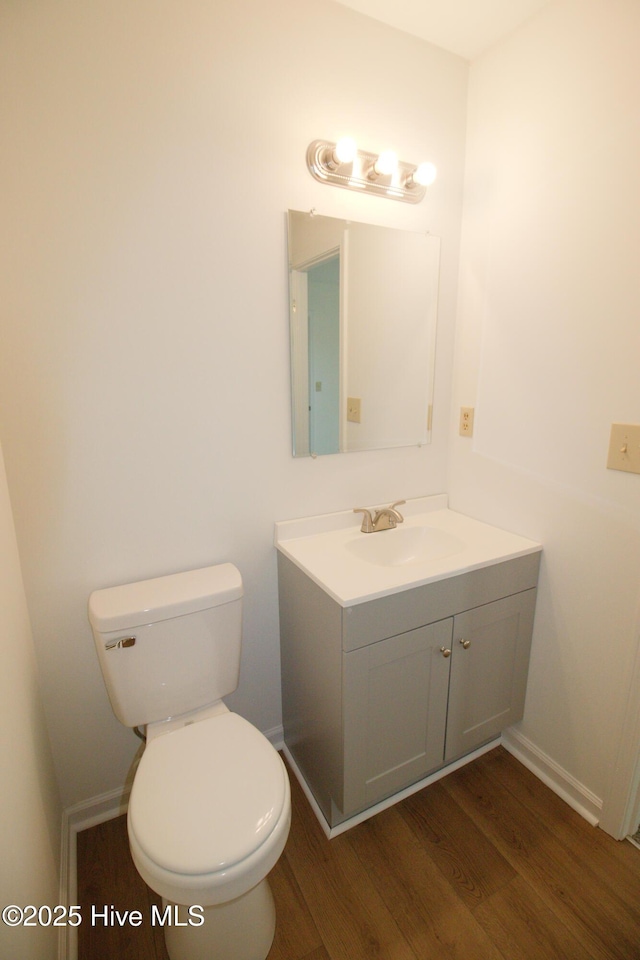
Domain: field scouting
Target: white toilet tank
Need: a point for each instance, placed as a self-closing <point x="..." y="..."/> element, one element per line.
<point x="169" y="645"/>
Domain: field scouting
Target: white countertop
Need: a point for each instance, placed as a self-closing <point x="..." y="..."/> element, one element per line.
<point x="332" y="551"/>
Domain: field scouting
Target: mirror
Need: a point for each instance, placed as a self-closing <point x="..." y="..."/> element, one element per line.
<point x="363" y="311"/>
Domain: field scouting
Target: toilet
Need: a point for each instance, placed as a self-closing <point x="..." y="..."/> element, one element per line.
<point x="210" y="806"/>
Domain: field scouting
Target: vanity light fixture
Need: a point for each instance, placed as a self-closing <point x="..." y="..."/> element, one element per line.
<point x="344" y="151"/>
<point x="385" y="165"/>
<point x="343" y="165"/>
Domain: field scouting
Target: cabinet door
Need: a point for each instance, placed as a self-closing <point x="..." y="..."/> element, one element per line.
<point x="489" y="668"/>
<point x="395" y="704"/>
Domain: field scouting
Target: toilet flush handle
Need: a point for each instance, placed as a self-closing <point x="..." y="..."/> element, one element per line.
<point x="122" y="642"/>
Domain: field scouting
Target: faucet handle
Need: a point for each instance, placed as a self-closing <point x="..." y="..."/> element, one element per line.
<point x="393" y="506"/>
<point x="367" y="520"/>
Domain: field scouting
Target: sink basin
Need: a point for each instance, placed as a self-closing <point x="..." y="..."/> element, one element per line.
<point x="404" y="545"/>
<point x="434" y="543"/>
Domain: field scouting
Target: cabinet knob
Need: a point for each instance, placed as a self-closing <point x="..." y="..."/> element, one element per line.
<point x="445" y="651"/>
<point x="465" y="643"/>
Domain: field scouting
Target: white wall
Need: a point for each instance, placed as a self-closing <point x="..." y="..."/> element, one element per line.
<point x="150" y="151"/>
<point x="547" y="351"/>
<point x="29" y="802"/>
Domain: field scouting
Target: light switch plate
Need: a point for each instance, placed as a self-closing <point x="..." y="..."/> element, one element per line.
<point x="353" y="409"/>
<point x="624" y="447"/>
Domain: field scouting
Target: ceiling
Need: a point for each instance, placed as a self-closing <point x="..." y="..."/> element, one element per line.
<point x="465" y="27"/>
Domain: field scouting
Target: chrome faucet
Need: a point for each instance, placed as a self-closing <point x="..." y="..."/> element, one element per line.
<point x="385" y="519"/>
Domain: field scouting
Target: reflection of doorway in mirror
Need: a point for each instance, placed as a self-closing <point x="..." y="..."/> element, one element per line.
<point x="387" y="299"/>
<point x="323" y="293"/>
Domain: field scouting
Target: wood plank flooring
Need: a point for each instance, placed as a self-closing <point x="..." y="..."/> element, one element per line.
<point x="486" y="864"/>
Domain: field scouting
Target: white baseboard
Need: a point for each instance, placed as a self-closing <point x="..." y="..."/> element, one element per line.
<point x="275" y="736"/>
<point x="332" y="832"/>
<point x="79" y="817"/>
<point x="579" y="797"/>
<point x="582" y="800"/>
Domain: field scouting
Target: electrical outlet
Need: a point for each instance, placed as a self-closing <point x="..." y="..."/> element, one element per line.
<point x="466" y="421"/>
<point x="353" y="409"/>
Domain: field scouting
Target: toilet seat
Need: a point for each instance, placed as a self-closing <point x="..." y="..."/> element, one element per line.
<point x="209" y="811"/>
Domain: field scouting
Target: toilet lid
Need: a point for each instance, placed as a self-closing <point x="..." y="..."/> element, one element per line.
<point x="206" y="795"/>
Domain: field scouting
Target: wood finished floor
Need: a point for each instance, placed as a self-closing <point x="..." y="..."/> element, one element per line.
<point x="486" y="864"/>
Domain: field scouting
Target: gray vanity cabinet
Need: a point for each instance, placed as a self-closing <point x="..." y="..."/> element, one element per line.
<point x="489" y="666"/>
<point x="395" y="710"/>
<point x="379" y="694"/>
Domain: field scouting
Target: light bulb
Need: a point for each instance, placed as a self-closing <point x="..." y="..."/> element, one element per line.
<point x="346" y="149"/>
<point x="425" y="174"/>
<point x="386" y="163"/>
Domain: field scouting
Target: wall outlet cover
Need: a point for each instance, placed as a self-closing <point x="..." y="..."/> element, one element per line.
<point x="466" y="421"/>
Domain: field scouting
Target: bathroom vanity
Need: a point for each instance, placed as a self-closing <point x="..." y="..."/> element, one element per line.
<point x="402" y="650"/>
